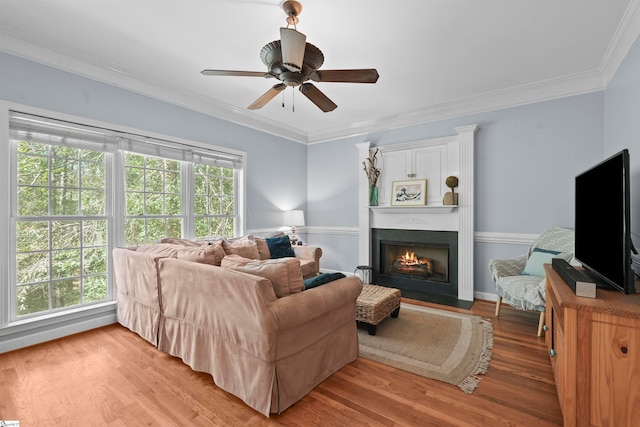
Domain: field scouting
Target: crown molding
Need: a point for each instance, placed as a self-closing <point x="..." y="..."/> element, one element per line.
<point x="576" y="84"/>
<point x="188" y="100"/>
<point x="571" y="85"/>
<point x="626" y="34"/>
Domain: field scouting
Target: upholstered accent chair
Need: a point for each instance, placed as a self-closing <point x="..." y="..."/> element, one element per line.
<point x="520" y="282"/>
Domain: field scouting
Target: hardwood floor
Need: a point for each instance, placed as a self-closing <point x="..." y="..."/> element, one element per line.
<point x="110" y="376"/>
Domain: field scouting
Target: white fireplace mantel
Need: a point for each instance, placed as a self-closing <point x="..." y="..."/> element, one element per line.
<point x="414" y="209"/>
<point x="459" y="150"/>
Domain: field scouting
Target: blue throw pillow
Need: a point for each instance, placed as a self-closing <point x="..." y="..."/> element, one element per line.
<point x="546" y="251"/>
<point x="321" y="279"/>
<point x="280" y="247"/>
<point x="535" y="263"/>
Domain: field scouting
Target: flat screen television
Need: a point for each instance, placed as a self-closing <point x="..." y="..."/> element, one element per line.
<point x="603" y="223"/>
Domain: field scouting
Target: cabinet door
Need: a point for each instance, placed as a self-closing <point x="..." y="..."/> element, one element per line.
<point x="614" y="377"/>
<point x="559" y="362"/>
<point x="396" y="165"/>
<point x="430" y="163"/>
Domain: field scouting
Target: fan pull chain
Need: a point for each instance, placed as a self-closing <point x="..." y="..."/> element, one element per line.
<point x="293" y="99"/>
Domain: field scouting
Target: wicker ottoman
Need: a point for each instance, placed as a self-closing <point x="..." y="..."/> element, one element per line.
<point x="375" y="303"/>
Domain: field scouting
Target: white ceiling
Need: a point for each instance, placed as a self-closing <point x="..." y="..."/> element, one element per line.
<point x="436" y="58"/>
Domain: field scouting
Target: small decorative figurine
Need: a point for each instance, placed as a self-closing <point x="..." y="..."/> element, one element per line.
<point x="451" y="197"/>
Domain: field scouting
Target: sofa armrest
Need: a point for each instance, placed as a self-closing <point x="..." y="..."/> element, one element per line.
<point x="135" y="276"/>
<point x="294" y="310"/>
<point x="135" y="289"/>
<point x="507" y="267"/>
<point x="307" y="252"/>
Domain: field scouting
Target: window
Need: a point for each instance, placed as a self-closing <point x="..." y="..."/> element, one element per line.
<point x="214" y="201"/>
<point x="78" y="191"/>
<point x="153" y="199"/>
<point x="60" y="227"/>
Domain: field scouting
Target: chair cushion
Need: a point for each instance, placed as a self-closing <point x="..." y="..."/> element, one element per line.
<point x="523" y="292"/>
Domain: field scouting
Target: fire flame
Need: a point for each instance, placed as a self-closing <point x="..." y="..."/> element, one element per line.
<point x="410" y="258"/>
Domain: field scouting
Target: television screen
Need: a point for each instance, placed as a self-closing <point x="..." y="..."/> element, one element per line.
<point x="602" y="221"/>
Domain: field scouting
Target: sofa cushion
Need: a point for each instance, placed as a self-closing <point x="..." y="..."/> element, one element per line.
<point x="280" y="247"/>
<point x="206" y="254"/>
<point x="263" y="248"/>
<point x="159" y="250"/>
<point x="283" y="273"/>
<point x="244" y="246"/>
<point x="321" y="279"/>
<point x="181" y="242"/>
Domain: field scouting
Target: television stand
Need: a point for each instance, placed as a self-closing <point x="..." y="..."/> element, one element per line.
<point x="594" y="346"/>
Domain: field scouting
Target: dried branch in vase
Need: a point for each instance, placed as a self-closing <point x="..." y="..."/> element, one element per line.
<point x="370" y="168"/>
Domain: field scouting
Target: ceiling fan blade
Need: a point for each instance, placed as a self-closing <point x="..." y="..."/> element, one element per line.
<point x="317" y="97"/>
<point x="234" y="73"/>
<point x="268" y="96"/>
<point x="367" y="75"/>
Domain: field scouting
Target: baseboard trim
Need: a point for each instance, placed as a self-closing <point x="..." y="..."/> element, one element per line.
<point x="13" y="338"/>
<point x="485" y="296"/>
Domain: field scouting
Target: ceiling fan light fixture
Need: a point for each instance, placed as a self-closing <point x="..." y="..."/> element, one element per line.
<point x="293" y="44"/>
<point x="293" y="61"/>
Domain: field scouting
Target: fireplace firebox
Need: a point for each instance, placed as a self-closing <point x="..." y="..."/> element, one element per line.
<point x="420" y="263"/>
<point x="415" y="260"/>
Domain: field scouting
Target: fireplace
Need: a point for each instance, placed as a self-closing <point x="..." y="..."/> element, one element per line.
<point x="422" y="264"/>
<point x="434" y="160"/>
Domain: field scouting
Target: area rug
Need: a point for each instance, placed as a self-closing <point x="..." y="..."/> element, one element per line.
<point x="451" y="347"/>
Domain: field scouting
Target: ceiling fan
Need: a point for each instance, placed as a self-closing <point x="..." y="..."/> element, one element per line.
<point x="294" y="62"/>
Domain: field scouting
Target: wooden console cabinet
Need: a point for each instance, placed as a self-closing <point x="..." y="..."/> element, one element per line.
<point x="594" y="345"/>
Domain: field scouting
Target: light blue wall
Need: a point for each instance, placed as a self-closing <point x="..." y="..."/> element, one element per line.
<point x="622" y="128"/>
<point x="269" y="190"/>
<point x="526" y="159"/>
<point x="526" y="156"/>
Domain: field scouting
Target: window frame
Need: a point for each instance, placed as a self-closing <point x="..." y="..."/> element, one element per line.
<point x="106" y="216"/>
<point x="114" y="201"/>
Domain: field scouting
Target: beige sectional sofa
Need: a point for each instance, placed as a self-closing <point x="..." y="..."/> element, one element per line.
<point x="248" y="323"/>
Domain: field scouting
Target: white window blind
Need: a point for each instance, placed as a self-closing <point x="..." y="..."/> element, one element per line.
<point x="49" y="131"/>
<point x="218" y="159"/>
